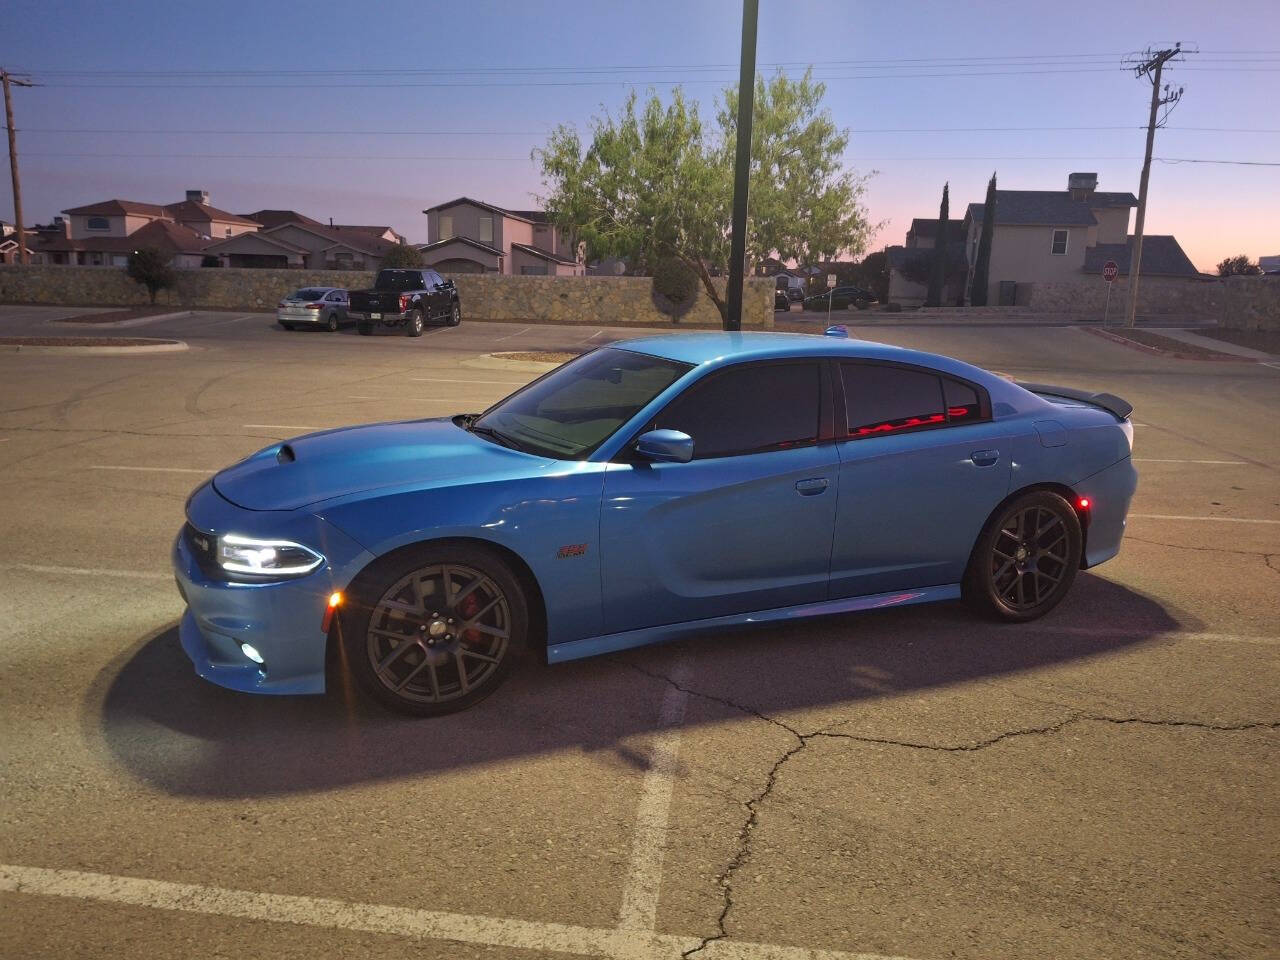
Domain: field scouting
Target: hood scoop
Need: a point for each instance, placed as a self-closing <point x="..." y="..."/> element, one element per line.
<point x="285" y="454"/>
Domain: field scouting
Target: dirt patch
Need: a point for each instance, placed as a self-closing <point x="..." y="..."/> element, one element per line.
<point x="1165" y="346"/>
<point x="83" y="341"/>
<point x="1268" y="341"/>
<point x="115" y="316"/>
<point x="541" y="356"/>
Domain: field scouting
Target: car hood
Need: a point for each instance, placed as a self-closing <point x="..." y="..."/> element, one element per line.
<point x="352" y="460"/>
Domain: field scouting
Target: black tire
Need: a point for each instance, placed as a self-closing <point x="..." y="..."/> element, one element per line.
<point x="1025" y="559"/>
<point x="455" y="315"/>
<point x="364" y="328"/>
<point x="436" y="671"/>
<point x="332" y="323"/>
<point x="413" y="328"/>
<point x="287" y="326"/>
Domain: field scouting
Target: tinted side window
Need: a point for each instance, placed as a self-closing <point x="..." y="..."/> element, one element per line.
<point x="881" y="400"/>
<point x="757" y="407"/>
<point x="962" y="402"/>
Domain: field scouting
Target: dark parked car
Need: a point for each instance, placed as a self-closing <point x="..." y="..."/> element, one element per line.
<point x="796" y="294"/>
<point x="781" y="301"/>
<point x="406" y="298"/>
<point x="841" y="298"/>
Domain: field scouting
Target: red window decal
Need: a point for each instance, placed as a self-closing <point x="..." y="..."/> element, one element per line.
<point x="904" y="424"/>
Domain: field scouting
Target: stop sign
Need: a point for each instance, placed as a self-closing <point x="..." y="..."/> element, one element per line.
<point x="1109" y="271"/>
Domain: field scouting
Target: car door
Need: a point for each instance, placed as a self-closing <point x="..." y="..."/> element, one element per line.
<point x="435" y="295"/>
<point x="746" y="525"/>
<point x="922" y="466"/>
<point x="338" y="304"/>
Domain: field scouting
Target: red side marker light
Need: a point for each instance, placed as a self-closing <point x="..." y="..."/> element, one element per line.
<point x="1084" y="503"/>
<point x="335" y="601"/>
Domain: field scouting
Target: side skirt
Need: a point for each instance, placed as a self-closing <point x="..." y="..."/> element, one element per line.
<point x="612" y="642"/>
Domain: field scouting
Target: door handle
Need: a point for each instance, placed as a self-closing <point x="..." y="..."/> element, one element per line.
<point x="984" y="458"/>
<point x="811" y="487"/>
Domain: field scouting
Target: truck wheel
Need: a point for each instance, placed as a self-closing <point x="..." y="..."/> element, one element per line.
<point x="416" y="322"/>
<point x="364" y="327"/>
<point x="455" y="315"/>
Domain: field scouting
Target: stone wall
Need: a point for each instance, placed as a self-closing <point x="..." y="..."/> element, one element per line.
<point x="1248" y="303"/>
<point x="580" y="300"/>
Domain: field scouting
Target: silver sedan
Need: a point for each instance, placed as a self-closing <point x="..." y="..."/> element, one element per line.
<point x="313" y="306"/>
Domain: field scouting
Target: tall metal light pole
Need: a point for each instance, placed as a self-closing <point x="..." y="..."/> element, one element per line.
<point x="742" y="165"/>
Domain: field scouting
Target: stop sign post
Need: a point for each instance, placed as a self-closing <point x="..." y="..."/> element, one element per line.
<point x="1110" y="270"/>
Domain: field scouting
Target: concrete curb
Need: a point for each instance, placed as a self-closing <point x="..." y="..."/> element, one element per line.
<point x="1160" y="351"/>
<point x="159" y="346"/>
<point x="490" y="362"/>
<point x="118" y="324"/>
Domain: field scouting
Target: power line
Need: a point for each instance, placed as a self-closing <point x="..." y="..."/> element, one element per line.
<point x="521" y="159"/>
<point x="535" y="133"/>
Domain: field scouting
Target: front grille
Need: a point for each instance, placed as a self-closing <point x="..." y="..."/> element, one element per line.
<point x="203" y="547"/>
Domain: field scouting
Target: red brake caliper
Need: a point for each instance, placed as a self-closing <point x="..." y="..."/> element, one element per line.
<point x="469" y="607"/>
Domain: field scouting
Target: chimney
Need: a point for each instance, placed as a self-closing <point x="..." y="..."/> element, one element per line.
<point x="198" y="196"/>
<point x="331" y="221"/>
<point x="1082" y="185"/>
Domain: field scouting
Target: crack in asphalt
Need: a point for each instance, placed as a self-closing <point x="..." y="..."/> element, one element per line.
<point x="742" y="842"/>
<point x="1181" y="546"/>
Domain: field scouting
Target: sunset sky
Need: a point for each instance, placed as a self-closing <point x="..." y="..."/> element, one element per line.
<point x="304" y="106"/>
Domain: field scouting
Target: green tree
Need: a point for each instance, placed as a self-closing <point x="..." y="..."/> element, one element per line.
<point x="653" y="183"/>
<point x="150" y="268"/>
<point x="872" y="273"/>
<point x="982" y="261"/>
<point x="402" y="256"/>
<point x="937" y="276"/>
<point x="1240" y="266"/>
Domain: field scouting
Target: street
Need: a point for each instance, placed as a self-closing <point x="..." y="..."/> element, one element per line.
<point x="913" y="783"/>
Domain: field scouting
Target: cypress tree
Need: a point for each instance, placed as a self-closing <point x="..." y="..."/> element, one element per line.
<point x="937" y="276"/>
<point x="982" y="262"/>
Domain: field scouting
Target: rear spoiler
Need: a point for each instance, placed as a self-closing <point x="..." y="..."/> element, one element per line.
<point x="1107" y="401"/>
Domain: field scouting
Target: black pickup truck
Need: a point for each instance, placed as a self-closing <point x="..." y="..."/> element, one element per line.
<point x="405" y="298"/>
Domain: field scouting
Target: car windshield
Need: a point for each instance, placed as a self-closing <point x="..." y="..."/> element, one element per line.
<point x="308" y="293"/>
<point x="569" y="412"/>
<point x="400" y="280"/>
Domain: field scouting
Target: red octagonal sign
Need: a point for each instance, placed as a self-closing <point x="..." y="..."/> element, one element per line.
<point x="1109" y="271"/>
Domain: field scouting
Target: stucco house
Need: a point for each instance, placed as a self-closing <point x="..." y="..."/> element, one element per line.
<point x="296" y="241"/>
<point x="184" y="246"/>
<point x="470" y="236"/>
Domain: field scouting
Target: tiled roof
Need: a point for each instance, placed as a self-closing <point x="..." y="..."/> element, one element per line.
<point x="1161" y="257"/>
<point x="427" y="247"/>
<point x="190" y="210"/>
<point x="929" y="228"/>
<point x="164" y="235"/>
<point x="276" y="218"/>
<point x="263" y="235"/>
<point x="543" y="254"/>
<point x="1049" y="207"/>
<point x="475" y="203"/>
<point x="533" y="216"/>
<point x="117" y="208"/>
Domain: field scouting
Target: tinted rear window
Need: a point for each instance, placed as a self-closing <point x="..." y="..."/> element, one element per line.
<point x="399" y="280"/>
<point x="308" y="293"/>
<point x="756" y="407"/>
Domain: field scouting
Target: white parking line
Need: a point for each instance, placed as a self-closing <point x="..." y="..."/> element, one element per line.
<point x="392" y="921"/>
<point x="103" y="466"/>
<point x="1170" y="516"/>
<point x="282" y="426"/>
<point x="510" y="335"/>
<point x="86" y="571"/>
<point x="1273" y="366"/>
<point x="1238" y="463"/>
<point x="416" y="399"/>
<point x="649" y="846"/>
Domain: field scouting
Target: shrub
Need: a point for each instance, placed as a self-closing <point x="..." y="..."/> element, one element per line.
<point x="674" y="280"/>
<point x="402" y="256"/>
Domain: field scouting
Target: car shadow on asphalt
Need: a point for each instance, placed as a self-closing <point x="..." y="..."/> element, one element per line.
<point x="171" y="729"/>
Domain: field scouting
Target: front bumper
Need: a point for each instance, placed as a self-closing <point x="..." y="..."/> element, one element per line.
<point x="282" y="620"/>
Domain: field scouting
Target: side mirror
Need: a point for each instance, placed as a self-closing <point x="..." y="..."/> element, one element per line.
<point x="665" y="446"/>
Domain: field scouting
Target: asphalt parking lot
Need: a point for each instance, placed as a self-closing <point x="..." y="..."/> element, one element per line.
<point x="912" y="783"/>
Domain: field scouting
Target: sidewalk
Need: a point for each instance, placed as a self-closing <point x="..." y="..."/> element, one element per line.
<point x="1209" y="343"/>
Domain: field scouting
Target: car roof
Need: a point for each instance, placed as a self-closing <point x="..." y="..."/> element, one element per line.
<point x="714" y="347"/>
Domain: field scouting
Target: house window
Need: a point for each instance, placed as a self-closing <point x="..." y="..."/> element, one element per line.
<point x="533" y="271"/>
<point x="228" y="231"/>
<point x="446" y="227"/>
<point x="97" y="223"/>
<point x="486" y="230"/>
<point x="1059" y="247"/>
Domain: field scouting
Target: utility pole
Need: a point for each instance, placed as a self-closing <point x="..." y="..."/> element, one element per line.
<point x="742" y="165"/>
<point x="1151" y="66"/>
<point x="8" y="79"/>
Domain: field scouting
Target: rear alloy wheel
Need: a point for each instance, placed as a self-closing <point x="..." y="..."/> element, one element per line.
<point x="455" y="315"/>
<point x="438" y="631"/>
<point x="1026" y="559"/>
<point x="416" y="323"/>
<point x="332" y="324"/>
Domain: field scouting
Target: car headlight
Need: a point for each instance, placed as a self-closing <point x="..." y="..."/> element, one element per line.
<point x="265" y="558"/>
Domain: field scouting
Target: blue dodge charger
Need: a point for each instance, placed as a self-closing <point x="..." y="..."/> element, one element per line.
<point x="647" y="490"/>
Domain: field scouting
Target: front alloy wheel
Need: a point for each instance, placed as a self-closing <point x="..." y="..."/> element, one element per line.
<point x="455" y="315"/>
<point x="439" y="633"/>
<point x="1026" y="559"/>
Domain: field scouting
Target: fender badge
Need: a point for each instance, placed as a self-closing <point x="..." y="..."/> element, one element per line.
<point x="572" y="550"/>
